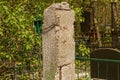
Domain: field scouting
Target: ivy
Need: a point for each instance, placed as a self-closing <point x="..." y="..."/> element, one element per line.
<point x="17" y="37"/>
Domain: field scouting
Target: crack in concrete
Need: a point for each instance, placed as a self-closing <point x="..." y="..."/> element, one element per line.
<point x="60" y="70"/>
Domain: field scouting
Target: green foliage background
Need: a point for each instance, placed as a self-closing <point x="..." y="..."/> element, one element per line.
<point x="19" y="44"/>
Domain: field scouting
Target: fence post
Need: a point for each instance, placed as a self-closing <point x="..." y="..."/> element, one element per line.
<point x="58" y="44"/>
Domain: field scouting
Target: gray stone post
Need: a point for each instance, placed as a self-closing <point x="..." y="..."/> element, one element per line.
<point x="58" y="42"/>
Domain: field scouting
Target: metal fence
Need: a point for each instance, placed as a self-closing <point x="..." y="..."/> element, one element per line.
<point x="88" y="68"/>
<point x="97" y="69"/>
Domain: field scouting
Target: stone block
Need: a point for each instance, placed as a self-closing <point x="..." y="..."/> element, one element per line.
<point x="58" y="42"/>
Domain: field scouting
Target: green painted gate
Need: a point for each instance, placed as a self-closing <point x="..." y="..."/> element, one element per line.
<point x="102" y="64"/>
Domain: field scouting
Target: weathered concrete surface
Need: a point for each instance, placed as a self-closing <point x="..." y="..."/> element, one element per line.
<point x="58" y="43"/>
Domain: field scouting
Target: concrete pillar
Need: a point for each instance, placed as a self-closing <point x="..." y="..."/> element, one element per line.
<point x="58" y="42"/>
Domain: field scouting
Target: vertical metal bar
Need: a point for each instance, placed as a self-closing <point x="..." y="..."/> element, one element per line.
<point x="29" y="70"/>
<point x="80" y="68"/>
<point x="14" y="71"/>
<point x="118" y="69"/>
<point x="98" y="69"/>
<point x="107" y="71"/>
<point x="85" y="68"/>
<point x="39" y="60"/>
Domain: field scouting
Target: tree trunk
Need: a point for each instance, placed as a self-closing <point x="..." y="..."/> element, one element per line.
<point x="114" y="26"/>
<point x="98" y="34"/>
<point x="94" y="23"/>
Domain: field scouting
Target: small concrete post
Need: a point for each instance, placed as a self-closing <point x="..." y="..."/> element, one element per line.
<point x="58" y="42"/>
